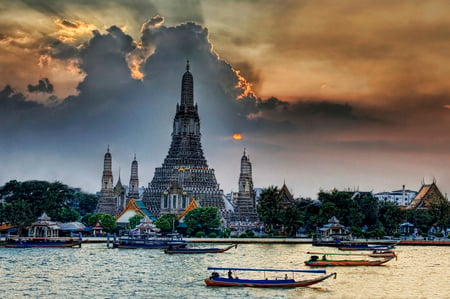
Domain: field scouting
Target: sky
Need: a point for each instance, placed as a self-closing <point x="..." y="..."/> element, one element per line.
<point x="347" y="95"/>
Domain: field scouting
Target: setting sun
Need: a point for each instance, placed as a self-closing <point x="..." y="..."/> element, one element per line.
<point x="237" y="136"/>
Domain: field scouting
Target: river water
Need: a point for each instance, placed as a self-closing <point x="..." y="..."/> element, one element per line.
<point x="95" y="271"/>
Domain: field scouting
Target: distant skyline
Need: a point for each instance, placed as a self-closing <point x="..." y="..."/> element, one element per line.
<point x="324" y="94"/>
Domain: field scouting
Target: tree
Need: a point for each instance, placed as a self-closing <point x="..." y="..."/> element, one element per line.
<point x="68" y="215"/>
<point x="18" y="213"/>
<point x="167" y="222"/>
<point x="269" y="208"/>
<point x="202" y="219"/>
<point x="440" y="210"/>
<point x="135" y="220"/>
<point x="107" y="221"/>
<point x="60" y="202"/>
<point x="390" y="216"/>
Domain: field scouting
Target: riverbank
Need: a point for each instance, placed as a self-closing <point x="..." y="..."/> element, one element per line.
<point x="285" y="241"/>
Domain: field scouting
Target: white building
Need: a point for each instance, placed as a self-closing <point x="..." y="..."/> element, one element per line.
<point x="401" y="197"/>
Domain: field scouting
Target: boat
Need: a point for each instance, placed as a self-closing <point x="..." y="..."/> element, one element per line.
<point x="382" y="253"/>
<point x="284" y="282"/>
<point x="43" y="233"/>
<point x="192" y="250"/>
<point x="314" y="261"/>
<point x="353" y="247"/>
<point x="150" y="242"/>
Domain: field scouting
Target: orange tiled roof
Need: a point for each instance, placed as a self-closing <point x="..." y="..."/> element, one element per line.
<point x="191" y="206"/>
<point x="131" y="205"/>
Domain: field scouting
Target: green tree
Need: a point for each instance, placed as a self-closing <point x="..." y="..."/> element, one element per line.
<point x="269" y="207"/>
<point x="202" y="220"/>
<point x="391" y="216"/>
<point x="167" y="222"/>
<point x="107" y="221"/>
<point x="18" y="213"/>
<point x="135" y="220"/>
<point x="68" y="215"/>
<point x="440" y="210"/>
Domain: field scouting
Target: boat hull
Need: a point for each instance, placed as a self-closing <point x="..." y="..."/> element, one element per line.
<point x="181" y="250"/>
<point x="349" y="263"/>
<point x="264" y="283"/>
<point x="42" y="242"/>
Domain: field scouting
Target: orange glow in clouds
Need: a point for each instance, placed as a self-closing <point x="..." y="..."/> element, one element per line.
<point x="243" y="85"/>
<point x="237" y="136"/>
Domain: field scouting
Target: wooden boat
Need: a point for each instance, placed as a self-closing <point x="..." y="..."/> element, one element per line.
<point x="191" y="250"/>
<point x="150" y="242"/>
<point x="326" y="262"/>
<point x="27" y="242"/>
<point x="382" y="253"/>
<point x="286" y="282"/>
<point x="354" y="247"/>
<point x="43" y="233"/>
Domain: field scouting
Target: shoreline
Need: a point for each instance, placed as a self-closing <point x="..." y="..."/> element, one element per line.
<point x="288" y="241"/>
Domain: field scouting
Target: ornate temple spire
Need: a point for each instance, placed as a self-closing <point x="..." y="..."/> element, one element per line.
<point x="134" y="180"/>
<point x="185" y="173"/>
<point x="187" y="89"/>
<point x="107" y="203"/>
<point x="107" y="178"/>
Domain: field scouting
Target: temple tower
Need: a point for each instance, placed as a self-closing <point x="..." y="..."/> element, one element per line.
<point x="245" y="203"/>
<point x="133" y="191"/>
<point x="184" y="174"/>
<point x="107" y="203"/>
<point x="119" y="195"/>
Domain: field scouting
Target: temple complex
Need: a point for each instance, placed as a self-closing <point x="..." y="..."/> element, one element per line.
<point x="184" y="174"/>
<point x="114" y="199"/>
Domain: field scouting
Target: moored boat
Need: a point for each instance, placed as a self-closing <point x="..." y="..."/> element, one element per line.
<point x="382" y="253"/>
<point x="354" y="247"/>
<point x="314" y="261"/>
<point x="193" y="250"/>
<point x="285" y="282"/>
<point x="150" y="242"/>
<point x="43" y="233"/>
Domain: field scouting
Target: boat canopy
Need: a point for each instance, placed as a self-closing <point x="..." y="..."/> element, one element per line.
<point x="267" y="270"/>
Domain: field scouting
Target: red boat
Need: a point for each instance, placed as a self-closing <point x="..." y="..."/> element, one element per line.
<point x="216" y="280"/>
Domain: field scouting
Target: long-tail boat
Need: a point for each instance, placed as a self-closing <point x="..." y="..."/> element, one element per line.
<point x="284" y="282"/>
<point x="326" y="262"/>
<point x="192" y="250"/>
<point x="150" y="242"/>
<point x="348" y="247"/>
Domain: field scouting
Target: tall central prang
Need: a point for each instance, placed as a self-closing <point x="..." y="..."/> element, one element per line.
<point x="184" y="174"/>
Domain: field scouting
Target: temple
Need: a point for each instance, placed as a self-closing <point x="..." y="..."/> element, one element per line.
<point x="107" y="202"/>
<point x="184" y="174"/>
<point x="114" y="199"/>
<point x="245" y="209"/>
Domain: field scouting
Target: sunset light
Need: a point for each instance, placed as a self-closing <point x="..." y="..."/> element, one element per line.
<point x="237" y="136"/>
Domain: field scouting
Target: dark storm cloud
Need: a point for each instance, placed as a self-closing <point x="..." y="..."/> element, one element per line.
<point x="272" y="103"/>
<point x="58" y="49"/>
<point x="43" y="85"/>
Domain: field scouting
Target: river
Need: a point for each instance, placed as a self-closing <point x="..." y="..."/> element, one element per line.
<point x="95" y="271"/>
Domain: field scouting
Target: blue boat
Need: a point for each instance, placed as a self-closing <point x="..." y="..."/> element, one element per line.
<point x="150" y="242"/>
<point x="285" y="282"/>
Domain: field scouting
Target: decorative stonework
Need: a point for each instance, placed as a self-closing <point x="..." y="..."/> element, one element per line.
<point x="184" y="174"/>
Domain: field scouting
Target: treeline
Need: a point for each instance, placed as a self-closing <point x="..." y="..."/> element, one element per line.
<point x="365" y="215"/>
<point x="24" y="202"/>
